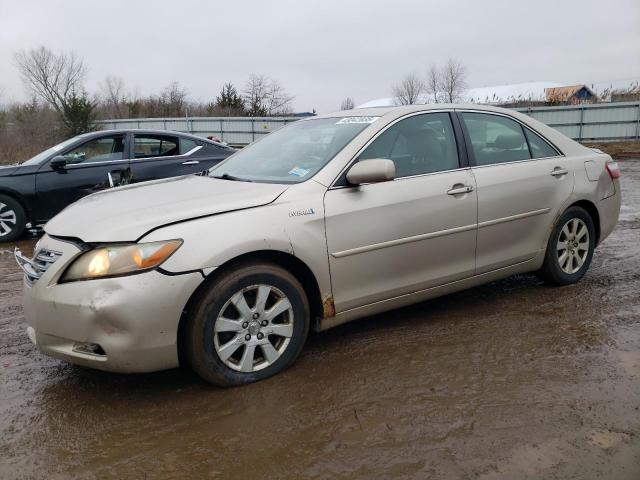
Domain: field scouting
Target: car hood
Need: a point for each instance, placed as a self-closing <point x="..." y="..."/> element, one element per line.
<point x="127" y="213"/>
<point x="6" y="170"/>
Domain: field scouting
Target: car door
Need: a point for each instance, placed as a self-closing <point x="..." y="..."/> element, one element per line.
<point x="402" y="236"/>
<point x="522" y="183"/>
<point x="201" y="154"/>
<point x="158" y="156"/>
<point x="94" y="165"/>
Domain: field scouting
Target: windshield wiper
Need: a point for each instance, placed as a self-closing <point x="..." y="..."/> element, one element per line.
<point x="226" y="176"/>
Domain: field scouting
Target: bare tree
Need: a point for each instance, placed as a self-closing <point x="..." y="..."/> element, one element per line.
<point x="173" y="100"/>
<point x="433" y="83"/>
<point x="264" y="96"/>
<point x="409" y="90"/>
<point x="26" y="129"/>
<point x="347" y="104"/>
<point x="114" y="97"/>
<point x="453" y="80"/>
<point x="254" y="94"/>
<point x="277" y="101"/>
<point x="51" y="77"/>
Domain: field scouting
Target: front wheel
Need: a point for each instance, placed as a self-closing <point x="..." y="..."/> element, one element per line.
<point x="251" y="324"/>
<point x="13" y="219"/>
<point x="570" y="248"/>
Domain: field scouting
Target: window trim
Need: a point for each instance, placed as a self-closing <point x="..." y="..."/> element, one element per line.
<point x="184" y="138"/>
<point x="463" y="160"/>
<point x="523" y="125"/>
<point x="190" y="152"/>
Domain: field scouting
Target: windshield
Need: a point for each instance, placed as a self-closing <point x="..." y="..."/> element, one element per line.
<point x="294" y="153"/>
<point x="50" y="151"/>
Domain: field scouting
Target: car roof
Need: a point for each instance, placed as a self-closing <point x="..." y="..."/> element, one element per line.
<point x="149" y="132"/>
<point x="404" y="109"/>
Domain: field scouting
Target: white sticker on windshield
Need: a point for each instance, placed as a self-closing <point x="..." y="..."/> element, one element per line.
<point x="356" y="120"/>
<point x="298" y="172"/>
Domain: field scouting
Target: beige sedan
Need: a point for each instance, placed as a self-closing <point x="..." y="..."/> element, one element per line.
<point x="330" y="219"/>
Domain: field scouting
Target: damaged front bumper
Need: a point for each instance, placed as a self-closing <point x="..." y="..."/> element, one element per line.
<point x="127" y="324"/>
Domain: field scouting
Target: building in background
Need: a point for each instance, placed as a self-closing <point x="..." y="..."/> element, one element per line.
<point x="570" y="95"/>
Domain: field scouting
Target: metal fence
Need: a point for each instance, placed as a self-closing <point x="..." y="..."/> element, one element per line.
<point x="602" y="122"/>
<point x="233" y="130"/>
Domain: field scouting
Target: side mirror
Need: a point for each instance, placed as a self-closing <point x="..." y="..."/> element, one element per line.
<point x="58" y="162"/>
<point x="371" y="171"/>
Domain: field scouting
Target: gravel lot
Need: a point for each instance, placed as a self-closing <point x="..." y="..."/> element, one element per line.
<point x="513" y="380"/>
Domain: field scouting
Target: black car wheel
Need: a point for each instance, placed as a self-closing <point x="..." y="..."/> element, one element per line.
<point x="13" y="219"/>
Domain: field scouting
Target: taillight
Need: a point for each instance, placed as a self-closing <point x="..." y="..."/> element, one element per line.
<point x="613" y="170"/>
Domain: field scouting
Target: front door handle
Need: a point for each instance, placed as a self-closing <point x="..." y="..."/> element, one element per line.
<point x="459" y="189"/>
<point x="558" y="172"/>
<point x="191" y="162"/>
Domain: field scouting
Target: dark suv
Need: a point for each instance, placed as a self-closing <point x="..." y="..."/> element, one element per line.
<point x="33" y="192"/>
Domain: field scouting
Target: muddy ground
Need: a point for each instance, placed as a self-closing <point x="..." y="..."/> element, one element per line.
<point x="620" y="150"/>
<point x="513" y="380"/>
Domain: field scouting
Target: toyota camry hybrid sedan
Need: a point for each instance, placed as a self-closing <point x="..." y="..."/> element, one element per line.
<point x="327" y="220"/>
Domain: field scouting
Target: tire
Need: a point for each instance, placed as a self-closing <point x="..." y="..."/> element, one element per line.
<point x="568" y="265"/>
<point x="13" y="219"/>
<point x="222" y="333"/>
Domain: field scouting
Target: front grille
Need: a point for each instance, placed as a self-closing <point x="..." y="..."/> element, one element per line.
<point x="33" y="269"/>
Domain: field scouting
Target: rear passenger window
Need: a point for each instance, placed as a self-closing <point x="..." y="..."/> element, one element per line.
<point x="186" y="145"/>
<point x="417" y="145"/>
<point x="495" y="139"/>
<point x="539" y="148"/>
<point x="146" y="146"/>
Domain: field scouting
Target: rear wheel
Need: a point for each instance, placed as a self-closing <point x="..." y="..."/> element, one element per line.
<point x="13" y="219"/>
<point x="570" y="248"/>
<point x="251" y="324"/>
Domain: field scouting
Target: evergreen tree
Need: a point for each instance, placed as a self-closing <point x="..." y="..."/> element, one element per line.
<point x="229" y="101"/>
<point x="78" y="115"/>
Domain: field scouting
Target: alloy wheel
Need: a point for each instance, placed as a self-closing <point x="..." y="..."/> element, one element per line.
<point x="8" y="220"/>
<point x="573" y="245"/>
<point x="254" y="328"/>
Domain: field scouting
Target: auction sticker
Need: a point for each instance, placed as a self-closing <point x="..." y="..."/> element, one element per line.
<point x="356" y="120"/>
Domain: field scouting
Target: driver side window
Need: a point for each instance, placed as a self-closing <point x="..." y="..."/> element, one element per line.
<point x="101" y="149"/>
<point x="417" y="145"/>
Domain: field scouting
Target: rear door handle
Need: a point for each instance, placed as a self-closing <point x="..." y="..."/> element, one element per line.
<point x="118" y="178"/>
<point x="558" y="172"/>
<point x="191" y="162"/>
<point x="459" y="189"/>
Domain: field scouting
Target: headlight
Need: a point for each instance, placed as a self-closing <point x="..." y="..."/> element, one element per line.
<point x="116" y="260"/>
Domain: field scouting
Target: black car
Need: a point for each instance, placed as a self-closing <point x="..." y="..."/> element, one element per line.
<point x="33" y="192"/>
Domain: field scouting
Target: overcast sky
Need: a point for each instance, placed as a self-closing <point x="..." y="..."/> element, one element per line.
<point x="322" y="51"/>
